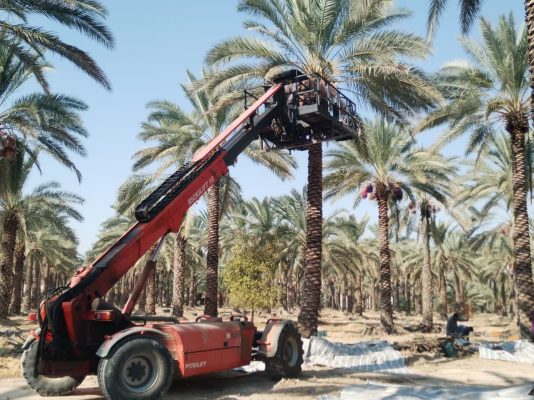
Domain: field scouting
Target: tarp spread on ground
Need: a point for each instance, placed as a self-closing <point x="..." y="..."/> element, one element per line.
<point x="520" y="351"/>
<point x="371" y="356"/>
<point x="373" y="391"/>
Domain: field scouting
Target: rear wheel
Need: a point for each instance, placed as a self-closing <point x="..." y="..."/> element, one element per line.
<point x="44" y="385"/>
<point x="287" y="362"/>
<point x="137" y="368"/>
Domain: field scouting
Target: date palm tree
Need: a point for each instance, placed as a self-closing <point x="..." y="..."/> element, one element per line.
<point x="488" y="182"/>
<point x="86" y="16"/>
<point x="469" y="11"/>
<point x="454" y="254"/>
<point x="491" y="93"/>
<point x="346" y="254"/>
<point x="45" y="120"/>
<point x="391" y="163"/>
<point x="427" y="209"/>
<point x="51" y="255"/>
<point x="348" y="42"/>
<point x="45" y="202"/>
<point x="177" y="135"/>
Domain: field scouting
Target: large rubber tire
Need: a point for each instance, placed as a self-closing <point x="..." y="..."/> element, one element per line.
<point x="136" y="368"/>
<point x="44" y="385"/>
<point x="287" y="362"/>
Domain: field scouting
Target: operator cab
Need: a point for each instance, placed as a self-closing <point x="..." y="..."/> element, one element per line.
<point x="314" y="110"/>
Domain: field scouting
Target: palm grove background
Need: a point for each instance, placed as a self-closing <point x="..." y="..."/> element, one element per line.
<point x="452" y="233"/>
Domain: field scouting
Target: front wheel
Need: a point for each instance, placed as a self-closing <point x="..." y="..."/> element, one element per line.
<point x="137" y="368"/>
<point x="44" y="385"/>
<point x="287" y="362"/>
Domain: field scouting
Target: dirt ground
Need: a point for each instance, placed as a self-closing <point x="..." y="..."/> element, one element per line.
<point x="428" y="365"/>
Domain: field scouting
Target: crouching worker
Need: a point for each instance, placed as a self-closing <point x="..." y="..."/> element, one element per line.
<point x="457" y="331"/>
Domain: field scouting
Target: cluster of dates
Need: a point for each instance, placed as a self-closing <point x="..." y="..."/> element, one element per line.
<point x="394" y="191"/>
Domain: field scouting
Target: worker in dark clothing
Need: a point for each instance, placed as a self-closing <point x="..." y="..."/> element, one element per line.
<point x="455" y="330"/>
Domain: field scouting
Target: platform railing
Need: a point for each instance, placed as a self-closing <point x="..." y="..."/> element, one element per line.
<point x="310" y="89"/>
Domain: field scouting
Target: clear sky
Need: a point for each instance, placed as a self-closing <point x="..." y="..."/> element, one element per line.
<point x="156" y="42"/>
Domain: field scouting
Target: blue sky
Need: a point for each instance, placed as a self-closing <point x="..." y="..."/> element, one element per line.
<point x="156" y="43"/>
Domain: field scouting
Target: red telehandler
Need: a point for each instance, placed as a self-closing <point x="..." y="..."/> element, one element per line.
<point x="137" y="357"/>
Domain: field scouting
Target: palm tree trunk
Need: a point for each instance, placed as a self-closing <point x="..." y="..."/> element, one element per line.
<point x="496" y="300"/>
<point x="397" y="293"/>
<point x="394" y="298"/>
<point x="517" y="126"/>
<point x="46" y="277"/>
<point x="28" y="283"/>
<point x="374" y="296"/>
<point x="358" y="307"/>
<point x="443" y="306"/>
<point x="311" y="295"/>
<point x="178" y="277"/>
<point x="192" y="287"/>
<point x="141" y="305"/>
<point x="426" y="276"/>
<point x="7" y="250"/>
<point x="36" y="286"/>
<point x="529" y="21"/>
<point x="332" y="294"/>
<point x="408" y="294"/>
<point x="16" y="298"/>
<point x="459" y="292"/>
<point x="386" y="310"/>
<point x="212" y="267"/>
<point x="151" y="292"/>
<point x="503" y="299"/>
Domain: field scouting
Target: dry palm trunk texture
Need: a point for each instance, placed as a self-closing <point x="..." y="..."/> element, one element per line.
<point x="141" y="304"/>
<point x="210" y="306"/>
<point x="517" y="126"/>
<point x="178" y="277"/>
<point x="36" y="286"/>
<point x="504" y="301"/>
<point x="16" y="298"/>
<point x="28" y="283"/>
<point x="426" y="278"/>
<point x="386" y="310"/>
<point x="7" y="249"/>
<point x="358" y="306"/>
<point x="443" y="306"/>
<point x="459" y="295"/>
<point x="192" y="287"/>
<point x="529" y="20"/>
<point x="151" y="290"/>
<point x="408" y="293"/>
<point x="311" y="295"/>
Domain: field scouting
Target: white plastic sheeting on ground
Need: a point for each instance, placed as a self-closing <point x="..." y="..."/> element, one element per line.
<point x="371" y="356"/>
<point x="373" y="391"/>
<point x="520" y="351"/>
<point x="254" y="366"/>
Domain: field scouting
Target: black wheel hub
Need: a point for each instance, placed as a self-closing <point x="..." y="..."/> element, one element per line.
<point x="137" y="371"/>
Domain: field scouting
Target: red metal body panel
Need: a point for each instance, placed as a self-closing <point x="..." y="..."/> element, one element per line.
<point x="204" y="347"/>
